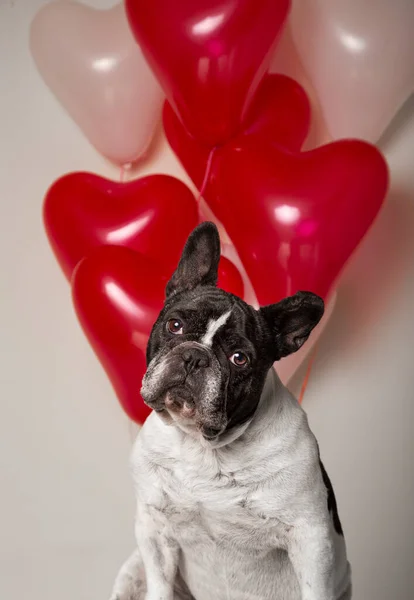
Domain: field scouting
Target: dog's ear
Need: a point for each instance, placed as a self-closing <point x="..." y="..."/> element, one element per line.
<point x="291" y="321"/>
<point x="199" y="261"/>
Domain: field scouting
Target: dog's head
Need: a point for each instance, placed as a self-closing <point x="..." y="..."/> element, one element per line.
<point x="209" y="352"/>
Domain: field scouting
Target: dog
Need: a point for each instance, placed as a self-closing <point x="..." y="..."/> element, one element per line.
<point x="233" y="501"/>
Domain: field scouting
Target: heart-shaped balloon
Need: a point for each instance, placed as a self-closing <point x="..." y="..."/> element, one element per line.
<point x="118" y="294"/>
<point x="209" y="56"/>
<point x="229" y="278"/>
<point x="280" y="115"/>
<point x="360" y="59"/>
<point x="92" y="64"/>
<point x="295" y="218"/>
<point x="152" y="215"/>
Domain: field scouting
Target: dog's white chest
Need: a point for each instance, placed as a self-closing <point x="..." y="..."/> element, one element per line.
<point x="229" y="510"/>
<point x="207" y="504"/>
<point x="215" y="516"/>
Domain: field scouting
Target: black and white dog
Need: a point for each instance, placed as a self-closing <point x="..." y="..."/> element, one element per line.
<point x="233" y="502"/>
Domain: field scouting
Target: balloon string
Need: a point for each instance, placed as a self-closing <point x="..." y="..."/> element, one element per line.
<point x="123" y="172"/>
<point x="206" y="174"/>
<point x="307" y="375"/>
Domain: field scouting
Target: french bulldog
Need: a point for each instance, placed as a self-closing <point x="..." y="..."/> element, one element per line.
<point x="233" y="501"/>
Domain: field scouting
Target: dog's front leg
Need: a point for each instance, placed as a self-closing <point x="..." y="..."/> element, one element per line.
<point x="159" y="551"/>
<point x="130" y="581"/>
<point x="311" y="552"/>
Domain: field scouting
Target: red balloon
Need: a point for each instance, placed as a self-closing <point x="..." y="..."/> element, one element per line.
<point x="209" y="56"/>
<point x="295" y="218"/>
<point x="118" y="294"/>
<point x="153" y="215"/>
<point x="280" y="114"/>
<point x="229" y="278"/>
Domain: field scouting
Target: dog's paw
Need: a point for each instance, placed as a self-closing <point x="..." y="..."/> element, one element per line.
<point x="130" y="592"/>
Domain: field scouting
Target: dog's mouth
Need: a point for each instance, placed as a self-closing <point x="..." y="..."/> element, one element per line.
<point x="172" y="396"/>
<point x="176" y="406"/>
<point x="178" y="401"/>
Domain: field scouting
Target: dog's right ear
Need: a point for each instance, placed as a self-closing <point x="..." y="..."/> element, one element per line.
<point x="199" y="261"/>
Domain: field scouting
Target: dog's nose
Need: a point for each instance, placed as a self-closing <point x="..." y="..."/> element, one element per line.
<point x="195" y="358"/>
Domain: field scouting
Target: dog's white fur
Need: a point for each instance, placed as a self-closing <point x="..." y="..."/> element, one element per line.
<point x="213" y="327"/>
<point x="243" y="518"/>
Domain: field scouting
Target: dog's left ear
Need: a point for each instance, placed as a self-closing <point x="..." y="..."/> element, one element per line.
<point x="199" y="261"/>
<point x="291" y="321"/>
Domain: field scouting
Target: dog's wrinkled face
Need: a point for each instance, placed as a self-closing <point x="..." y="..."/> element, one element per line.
<point x="209" y="352"/>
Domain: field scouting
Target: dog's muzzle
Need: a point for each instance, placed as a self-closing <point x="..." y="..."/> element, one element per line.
<point x="186" y="381"/>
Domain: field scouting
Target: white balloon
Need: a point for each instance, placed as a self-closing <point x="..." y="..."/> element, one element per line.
<point x="359" y="55"/>
<point x="91" y="62"/>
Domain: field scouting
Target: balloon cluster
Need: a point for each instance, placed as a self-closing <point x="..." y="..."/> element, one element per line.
<point x="294" y="217"/>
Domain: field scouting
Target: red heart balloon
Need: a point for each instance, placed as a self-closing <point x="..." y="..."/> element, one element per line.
<point x="118" y="294"/>
<point x="295" y="218"/>
<point x="229" y="278"/>
<point x="209" y="56"/>
<point x="83" y="211"/>
<point x="280" y="114"/>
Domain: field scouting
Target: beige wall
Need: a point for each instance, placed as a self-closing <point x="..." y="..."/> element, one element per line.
<point x="65" y="494"/>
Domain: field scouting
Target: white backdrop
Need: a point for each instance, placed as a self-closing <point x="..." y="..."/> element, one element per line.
<point x="65" y="494"/>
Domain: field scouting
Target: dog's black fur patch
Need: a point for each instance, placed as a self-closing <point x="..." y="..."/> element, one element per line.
<point x="332" y="506"/>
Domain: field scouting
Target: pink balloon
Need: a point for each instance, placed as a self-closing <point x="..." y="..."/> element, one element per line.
<point x="92" y="64"/>
<point x="360" y="58"/>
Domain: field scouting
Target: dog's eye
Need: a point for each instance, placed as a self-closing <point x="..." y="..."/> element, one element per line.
<point x="175" y="326"/>
<point x="239" y="359"/>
